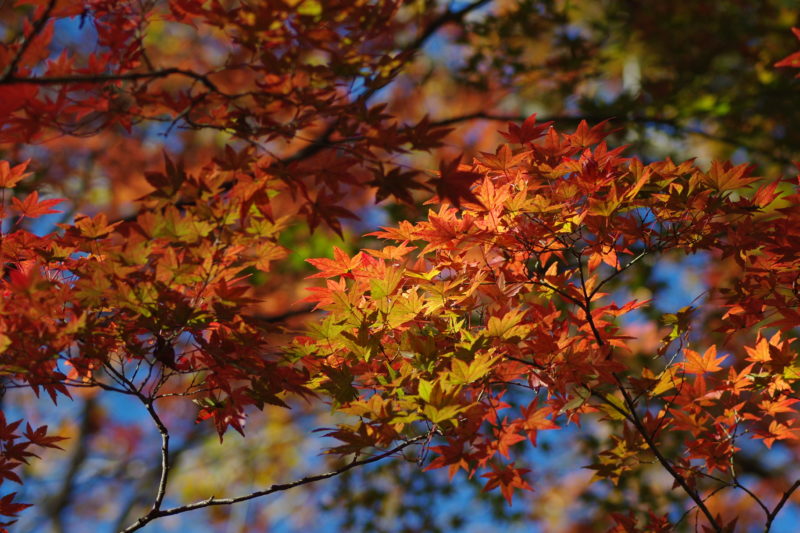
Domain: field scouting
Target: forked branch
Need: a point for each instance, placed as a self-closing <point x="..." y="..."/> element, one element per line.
<point x="279" y="487"/>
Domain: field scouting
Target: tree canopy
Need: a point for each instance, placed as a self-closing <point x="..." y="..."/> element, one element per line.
<point x="278" y="250"/>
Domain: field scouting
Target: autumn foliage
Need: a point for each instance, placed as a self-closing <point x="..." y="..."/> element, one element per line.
<point x="507" y="290"/>
<point x="500" y="314"/>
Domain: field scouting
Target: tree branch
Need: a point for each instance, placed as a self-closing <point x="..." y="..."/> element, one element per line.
<point x="212" y="501"/>
<point x="786" y="495"/>
<point x="442" y="20"/>
<point x="636" y="421"/>
<point x="165" y="464"/>
<point x="105" y="78"/>
<point x="197" y="432"/>
<point x="635" y="119"/>
<point x="161" y="491"/>
<point x="665" y="463"/>
<point x="37" y="29"/>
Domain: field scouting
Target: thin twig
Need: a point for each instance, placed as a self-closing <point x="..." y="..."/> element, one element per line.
<point x="619" y="271"/>
<point x="212" y="501"/>
<point x="771" y="516"/>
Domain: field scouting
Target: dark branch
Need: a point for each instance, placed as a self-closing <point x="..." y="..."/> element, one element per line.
<point x="212" y="501"/>
<point x="633" y="119"/>
<point x="786" y="495"/>
<point x="665" y="463"/>
<point x="165" y="465"/>
<point x="445" y="18"/>
<point x="106" y="78"/>
<point x="197" y="432"/>
<point x="37" y="29"/>
<point x="633" y="417"/>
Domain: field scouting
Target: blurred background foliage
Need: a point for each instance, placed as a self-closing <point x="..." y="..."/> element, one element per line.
<point x="678" y="79"/>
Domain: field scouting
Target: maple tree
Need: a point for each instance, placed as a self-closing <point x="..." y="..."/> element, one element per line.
<point x="501" y="314"/>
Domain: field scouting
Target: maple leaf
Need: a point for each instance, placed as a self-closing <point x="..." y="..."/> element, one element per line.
<point x="584" y="136"/>
<point x="776" y="431"/>
<point x="268" y="253"/>
<point x="707" y="363"/>
<point x="506" y="436"/>
<point x="762" y="352"/>
<point x="792" y="60"/>
<point x="425" y="136"/>
<point x="341" y="264"/>
<point x="39" y="437"/>
<point x="528" y="132"/>
<point x="766" y="194"/>
<point x="169" y="182"/>
<point x="7" y="430"/>
<point x="9" y="508"/>
<point x="724" y="177"/>
<point x="7" y="471"/>
<point x="507" y="477"/>
<point x="452" y="456"/>
<point x="31" y="207"/>
<point x="503" y="159"/>
<point x="392" y="253"/>
<point x="323" y="209"/>
<point x="535" y="419"/>
<point x="773" y="407"/>
<point x="325" y="296"/>
<point x="455" y="182"/>
<point x="94" y="227"/>
<point x="10" y="176"/>
<point x="397" y="183"/>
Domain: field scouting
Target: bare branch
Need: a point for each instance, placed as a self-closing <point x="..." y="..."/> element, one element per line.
<point x="147" y="401"/>
<point x="212" y="501"/>
<point x="786" y="495"/>
<point x="619" y="271"/>
<point x="165" y="465"/>
<point x="106" y="78"/>
<point x="197" y="432"/>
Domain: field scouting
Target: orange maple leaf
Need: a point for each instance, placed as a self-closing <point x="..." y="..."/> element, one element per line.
<point x="703" y="364"/>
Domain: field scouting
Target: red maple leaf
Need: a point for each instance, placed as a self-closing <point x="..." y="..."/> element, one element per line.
<point x="39" y="437"/>
<point x="528" y="132"/>
<point x="455" y="183"/>
<point x="31" y="207"/>
<point x="507" y="478"/>
<point x="792" y="60"/>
